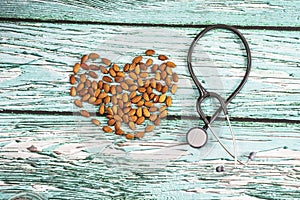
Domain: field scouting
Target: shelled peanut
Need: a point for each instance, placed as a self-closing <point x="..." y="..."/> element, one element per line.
<point x="136" y="95"/>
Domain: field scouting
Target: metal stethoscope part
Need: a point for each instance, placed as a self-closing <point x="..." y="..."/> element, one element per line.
<point x="197" y="136"/>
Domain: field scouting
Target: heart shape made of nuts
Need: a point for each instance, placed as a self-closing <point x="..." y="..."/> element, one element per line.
<point x="137" y="94"/>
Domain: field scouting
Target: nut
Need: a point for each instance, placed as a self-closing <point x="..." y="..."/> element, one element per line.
<point x="93" y="56"/>
<point x="169" y="101"/>
<point x="107" y="129"/>
<point x="150" y="52"/>
<point x="78" y="103"/>
<point x="140" y="120"/>
<point x="171" y="64"/>
<point x="106" y="61"/>
<point x="107" y="79"/>
<point x="73" y="91"/>
<point x="85" y="113"/>
<point x="139" y="135"/>
<point x="76" y="68"/>
<point x="173" y="89"/>
<point x="84" y="58"/>
<point x="162" y="57"/>
<point x="96" y="122"/>
<point x="149" y="128"/>
<point x="93" y="74"/>
<point x="129" y="136"/>
<point x="72" y="79"/>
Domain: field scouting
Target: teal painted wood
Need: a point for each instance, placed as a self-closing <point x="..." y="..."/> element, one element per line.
<point x="76" y="160"/>
<point x="35" y="74"/>
<point x="234" y="12"/>
<point x="70" y="165"/>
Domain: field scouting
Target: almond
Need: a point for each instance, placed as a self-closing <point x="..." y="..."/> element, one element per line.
<point x="136" y="99"/>
<point x="157" y="122"/>
<point x="139" y="135"/>
<point x="72" y="79"/>
<point x="94" y="67"/>
<point x="168" y="81"/>
<point x="149" y="52"/>
<point x="76" y="68"/>
<point x="154" y="68"/>
<point x="164" y="89"/>
<point x="112" y="72"/>
<point x="84" y="58"/>
<point x="82" y="78"/>
<point x="162" y="57"/>
<point x="106" y="87"/>
<point x="163" y="114"/>
<point x="100" y="84"/>
<point x="149" y="62"/>
<point x="146" y="112"/>
<point x="169" y="71"/>
<point x="153" y="117"/>
<point x="173" y="89"/>
<point x="133" y="75"/>
<point x="106" y="61"/>
<point x="175" y="77"/>
<point x="129" y="136"/>
<point x="126" y="67"/>
<point x="103" y="69"/>
<point x="140" y="120"/>
<point x="85" y="97"/>
<point x="101" y="109"/>
<point x="131" y="125"/>
<point x="162" y="98"/>
<point x="153" y="109"/>
<point x="84" y="66"/>
<point x="106" y="100"/>
<point x="140" y="103"/>
<point x="85" y="113"/>
<point x="93" y="74"/>
<point x="78" y="103"/>
<point x="171" y="64"/>
<point x="169" y="101"/>
<point x="107" y="79"/>
<point x="92" y="100"/>
<point x="111" y="122"/>
<point x="93" y="56"/>
<point x="149" y="128"/>
<point x="139" y="112"/>
<point x="137" y="59"/>
<point x="124" y="86"/>
<point x="144" y="74"/>
<point x="163" y="75"/>
<point x="96" y="122"/>
<point x="73" y="91"/>
<point x="157" y="76"/>
<point x="107" y="129"/>
<point x="119" y="132"/>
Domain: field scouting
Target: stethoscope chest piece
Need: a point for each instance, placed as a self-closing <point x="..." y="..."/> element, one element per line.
<point x="196" y="137"/>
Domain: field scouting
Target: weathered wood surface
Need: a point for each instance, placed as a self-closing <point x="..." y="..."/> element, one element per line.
<point x="234" y="12"/>
<point x="76" y="160"/>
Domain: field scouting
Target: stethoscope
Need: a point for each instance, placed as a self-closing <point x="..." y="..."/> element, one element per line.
<point x="197" y="137"/>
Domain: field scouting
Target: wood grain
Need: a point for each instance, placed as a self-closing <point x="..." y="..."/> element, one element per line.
<point x="233" y="12"/>
<point x="35" y="75"/>
<point x="75" y="159"/>
<point x="71" y="164"/>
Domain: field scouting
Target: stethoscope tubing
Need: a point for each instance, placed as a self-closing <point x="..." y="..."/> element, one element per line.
<point x="202" y="90"/>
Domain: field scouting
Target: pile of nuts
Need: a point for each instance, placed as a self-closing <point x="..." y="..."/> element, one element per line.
<point x="137" y="94"/>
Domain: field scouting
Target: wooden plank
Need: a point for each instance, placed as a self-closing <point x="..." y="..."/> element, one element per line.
<point x="67" y="159"/>
<point x="34" y="75"/>
<point x="234" y="12"/>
